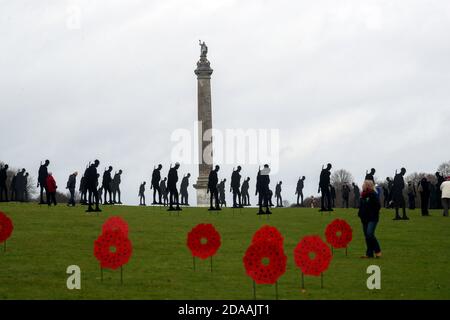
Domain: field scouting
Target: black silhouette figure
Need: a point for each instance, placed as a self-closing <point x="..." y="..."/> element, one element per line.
<point x="257" y="192"/>
<point x="390" y="197"/>
<point x="142" y="194"/>
<point x="115" y="187"/>
<point x="100" y="194"/>
<point x="212" y="189"/>
<point x="71" y="185"/>
<point x="13" y="187"/>
<point x="184" y="190"/>
<point x="83" y="190"/>
<point x="235" y="186"/>
<point x="106" y="185"/>
<point x="42" y="179"/>
<point x="385" y="195"/>
<point x="333" y="195"/>
<point x="411" y="196"/>
<point x="324" y="188"/>
<point x="244" y="192"/>
<point x="299" y="190"/>
<point x="3" y="187"/>
<point x="91" y="179"/>
<point x="25" y="187"/>
<point x="156" y="177"/>
<point x="164" y="191"/>
<point x="397" y="192"/>
<point x="345" y="195"/>
<point x="424" y="191"/>
<point x="263" y="182"/>
<point x="439" y="180"/>
<point x="270" y="196"/>
<point x="20" y="185"/>
<point x="278" y="194"/>
<point x="356" y="195"/>
<point x="370" y="175"/>
<point x="172" y="179"/>
<point x="221" y="190"/>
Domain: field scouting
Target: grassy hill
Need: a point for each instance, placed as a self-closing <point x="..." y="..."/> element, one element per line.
<point x="415" y="262"/>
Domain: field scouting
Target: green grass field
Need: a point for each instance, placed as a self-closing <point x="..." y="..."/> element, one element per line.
<point x="415" y="262"/>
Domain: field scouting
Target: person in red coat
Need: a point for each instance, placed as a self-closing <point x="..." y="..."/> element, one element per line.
<point x="51" y="189"/>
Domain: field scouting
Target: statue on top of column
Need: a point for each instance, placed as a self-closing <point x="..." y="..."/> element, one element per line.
<point x="203" y="48"/>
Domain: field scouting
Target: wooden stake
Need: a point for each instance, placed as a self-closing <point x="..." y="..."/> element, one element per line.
<point x="321" y="280"/>
<point x="346" y="252"/>
<point x="303" y="281"/>
<point x="254" y="290"/>
<point x="101" y="274"/>
<point x="193" y="262"/>
<point x="121" y="275"/>
<point x="276" y="290"/>
<point x="4" y="247"/>
<point x="211" y="264"/>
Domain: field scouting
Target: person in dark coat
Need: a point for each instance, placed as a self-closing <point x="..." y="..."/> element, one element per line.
<point x="184" y="190"/>
<point x="278" y="194"/>
<point x="244" y="192"/>
<point x="42" y="179"/>
<point x="263" y="182"/>
<point x="397" y="192"/>
<point x="324" y="188"/>
<point x="345" y="195"/>
<point x="299" y="190"/>
<point x="439" y="180"/>
<point x="71" y="184"/>
<point x="356" y="195"/>
<point x="235" y="187"/>
<point x="424" y="192"/>
<point x="115" y="187"/>
<point x="213" y="180"/>
<point x="91" y="177"/>
<point x="411" y="196"/>
<point x="369" y="211"/>
<point x="333" y="196"/>
<point x="3" y="187"/>
<point x="83" y="190"/>
<point x="163" y="189"/>
<point x="172" y="179"/>
<point x="51" y="189"/>
<point x="13" y="187"/>
<point x="221" y="191"/>
<point x="106" y="185"/>
<point x="155" y="184"/>
<point x="142" y="194"/>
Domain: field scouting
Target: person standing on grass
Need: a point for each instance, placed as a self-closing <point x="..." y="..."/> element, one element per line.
<point x="42" y="178"/>
<point x="411" y="195"/>
<point x="71" y="183"/>
<point x="172" y="179"/>
<point x="163" y="191"/>
<point x="345" y="195"/>
<point x="369" y="211"/>
<point x="212" y="189"/>
<point x="424" y="191"/>
<point x="397" y="192"/>
<point x="51" y="189"/>
<point x="142" y="194"/>
<point x="445" y="192"/>
<point x="299" y="190"/>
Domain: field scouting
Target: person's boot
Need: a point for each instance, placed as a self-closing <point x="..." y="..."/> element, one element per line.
<point x="405" y="217"/>
<point x="89" y="209"/>
<point x="397" y="216"/>
<point x="218" y="208"/>
<point x="268" y="211"/>
<point x="178" y="208"/>
<point x="260" y="211"/>
<point x="171" y="208"/>
<point x="97" y="209"/>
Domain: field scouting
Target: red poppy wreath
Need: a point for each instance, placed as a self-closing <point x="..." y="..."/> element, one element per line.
<point x="6" y="227"/>
<point x="312" y="255"/>
<point x="116" y="223"/>
<point x="203" y="241"/>
<point x="112" y="249"/>
<point x="339" y="234"/>
<point x="265" y="262"/>
<point x="268" y="233"/>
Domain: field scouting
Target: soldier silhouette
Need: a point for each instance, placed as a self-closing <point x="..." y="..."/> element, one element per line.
<point x="20" y="185"/>
<point x="172" y="179"/>
<point x="424" y="191"/>
<point x="25" y="189"/>
<point x="91" y="179"/>
<point x="156" y="177"/>
<point x="345" y="195"/>
<point x="244" y="192"/>
<point x="13" y="187"/>
<point x="299" y="190"/>
<point x="257" y="192"/>
<point x="106" y="185"/>
<point x="235" y="186"/>
<point x="3" y="187"/>
<point x="324" y="188"/>
<point x="390" y="186"/>
<point x="184" y="190"/>
<point x="142" y="194"/>
<point x="439" y="180"/>
<point x="163" y="188"/>
<point x="115" y="187"/>
<point x="263" y="182"/>
<point x="212" y="189"/>
<point x="221" y="191"/>
<point x="71" y="185"/>
<point x="42" y="180"/>
<point x="356" y="195"/>
<point x="370" y="175"/>
<point x="278" y="194"/>
<point x="333" y="195"/>
<point x="397" y="192"/>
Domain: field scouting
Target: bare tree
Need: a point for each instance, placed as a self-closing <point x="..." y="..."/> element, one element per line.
<point x="444" y="168"/>
<point x="338" y="179"/>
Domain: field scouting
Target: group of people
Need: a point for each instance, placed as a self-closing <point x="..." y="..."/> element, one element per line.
<point x="18" y="187"/>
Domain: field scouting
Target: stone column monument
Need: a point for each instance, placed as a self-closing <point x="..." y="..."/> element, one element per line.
<point x="203" y="73"/>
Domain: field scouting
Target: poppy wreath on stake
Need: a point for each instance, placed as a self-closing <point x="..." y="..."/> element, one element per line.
<point x="116" y="223"/>
<point x="112" y="249"/>
<point x="6" y="227"/>
<point x="268" y="233"/>
<point x="339" y="233"/>
<point x="255" y="267"/>
<point x="210" y="237"/>
<point x="312" y="266"/>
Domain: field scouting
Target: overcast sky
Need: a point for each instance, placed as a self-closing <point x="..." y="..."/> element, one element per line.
<point x="359" y="84"/>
